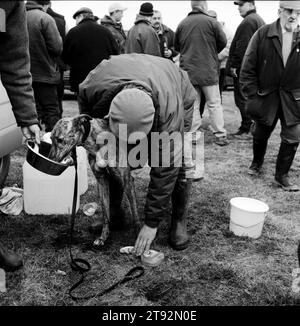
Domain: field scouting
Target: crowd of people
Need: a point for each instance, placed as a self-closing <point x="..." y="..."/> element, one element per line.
<point x="170" y="76"/>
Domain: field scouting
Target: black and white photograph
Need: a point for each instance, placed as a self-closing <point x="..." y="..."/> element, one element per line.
<point x="149" y="162"/>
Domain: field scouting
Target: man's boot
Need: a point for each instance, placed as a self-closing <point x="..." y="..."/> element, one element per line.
<point x="285" y="159"/>
<point x="179" y="238"/>
<point x="9" y="261"/>
<point x="259" y="151"/>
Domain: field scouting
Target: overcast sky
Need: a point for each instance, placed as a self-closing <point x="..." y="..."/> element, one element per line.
<point x="172" y="11"/>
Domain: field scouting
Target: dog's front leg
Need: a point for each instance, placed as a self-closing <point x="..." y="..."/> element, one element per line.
<point x="103" y="191"/>
<point x="103" y="194"/>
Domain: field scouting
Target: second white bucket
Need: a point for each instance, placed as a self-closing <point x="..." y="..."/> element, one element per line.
<point x="247" y="216"/>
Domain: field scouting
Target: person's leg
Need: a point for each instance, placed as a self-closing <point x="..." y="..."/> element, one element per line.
<point x="222" y="80"/>
<point x="214" y="106"/>
<point x="261" y="134"/>
<point x="290" y="138"/>
<point x="240" y="102"/>
<point x="60" y="94"/>
<point x="202" y="103"/>
<point x="46" y="96"/>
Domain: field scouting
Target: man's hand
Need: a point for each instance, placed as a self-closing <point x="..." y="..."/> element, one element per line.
<point x="233" y="72"/>
<point x="144" y="240"/>
<point x="32" y="132"/>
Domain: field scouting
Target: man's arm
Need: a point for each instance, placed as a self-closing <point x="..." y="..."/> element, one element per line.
<point x="248" y="74"/>
<point x="52" y="37"/>
<point x="15" y="64"/>
<point x="243" y="36"/>
<point x="221" y="38"/>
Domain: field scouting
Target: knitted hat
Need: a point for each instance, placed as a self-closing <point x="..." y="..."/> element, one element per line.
<point x="290" y="5"/>
<point x="135" y="109"/>
<point x="146" y="9"/>
<point x="81" y="11"/>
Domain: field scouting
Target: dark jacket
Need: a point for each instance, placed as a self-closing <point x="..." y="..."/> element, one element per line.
<point x="15" y="63"/>
<point x="142" y="38"/>
<point x="266" y="82"/>
<point x="117" y="31"/>
<point x="199" y="38"/>
<point x="166" y="38"/>
<point x="250" y="24"/>
<point x="173" y="97"/>
<point x="86" y="45"/>
<point x="45" y="44"/>
<point x="61" y="26"/>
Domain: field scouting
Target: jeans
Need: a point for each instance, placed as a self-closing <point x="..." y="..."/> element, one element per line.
<point x="214" y="106"/>
<point x="47" y="104"/>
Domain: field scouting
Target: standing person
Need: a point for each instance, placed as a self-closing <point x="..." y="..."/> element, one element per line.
<point x="166" y="36"/>
<point x="16" y="78"/>
<point x="250" y="24"/>
<point x="223" y="57"/>
<point x="61" y="26"/>
<point x="141" y="37"/>
<point x="151" y="95"/>
<point x="86" y="45"/>
<point x="270" y="78"/>
<point x="45" y="45"/>
<point x="199" y="38"/>
<point x="114" y="24"/>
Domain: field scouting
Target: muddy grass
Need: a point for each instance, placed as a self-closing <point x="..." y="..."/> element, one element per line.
<point x="217" y="269"/>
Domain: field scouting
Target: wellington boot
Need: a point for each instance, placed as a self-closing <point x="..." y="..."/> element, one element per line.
<point x="178" y="237"/>
<point x="284" y="161"/>
<point x="9" y="261"/>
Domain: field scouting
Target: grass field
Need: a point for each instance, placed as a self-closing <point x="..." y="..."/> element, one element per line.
<point x="217" y="269"/>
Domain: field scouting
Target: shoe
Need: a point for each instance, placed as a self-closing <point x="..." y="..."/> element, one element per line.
<point x="9" y="261"/>
<point x="222" y="141"/>
<point x="255" y="170"/>
<point x="284" y="183"/>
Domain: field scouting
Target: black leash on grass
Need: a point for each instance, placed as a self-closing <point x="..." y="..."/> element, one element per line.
<point x="82" y="266"/>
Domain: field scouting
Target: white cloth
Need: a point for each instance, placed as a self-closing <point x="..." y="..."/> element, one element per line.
<point x="11" y="201"/>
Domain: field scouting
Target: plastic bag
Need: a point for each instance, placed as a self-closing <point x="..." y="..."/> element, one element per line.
<point x="11" y="201"/>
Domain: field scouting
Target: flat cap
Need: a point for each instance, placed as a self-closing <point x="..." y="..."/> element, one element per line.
<point x="295" y="5"/>
<point x="81" y="11"/>
<point x="241" y="2"/>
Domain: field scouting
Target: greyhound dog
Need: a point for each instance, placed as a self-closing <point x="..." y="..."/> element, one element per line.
<point x="115" y="184"/>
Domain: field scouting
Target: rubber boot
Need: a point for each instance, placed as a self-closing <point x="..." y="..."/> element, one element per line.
<point x="285" y="159"/>
<point x="259" y="151"/>
<point x="9" y="261"/>
<point x="179" y="238"/>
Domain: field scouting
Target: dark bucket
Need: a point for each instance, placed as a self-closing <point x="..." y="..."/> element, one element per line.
<point x="40" y="161"/>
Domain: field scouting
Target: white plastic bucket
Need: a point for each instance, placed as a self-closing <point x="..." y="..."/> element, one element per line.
<point x="247" y="216"/>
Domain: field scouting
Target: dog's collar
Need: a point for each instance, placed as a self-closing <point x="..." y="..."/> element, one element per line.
<point x="87" y="129"/>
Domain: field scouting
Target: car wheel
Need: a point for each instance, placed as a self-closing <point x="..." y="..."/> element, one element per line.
<point x="4" y="167"/>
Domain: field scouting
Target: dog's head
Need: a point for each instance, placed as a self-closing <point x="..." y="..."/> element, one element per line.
<point x="68" y="133"/>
